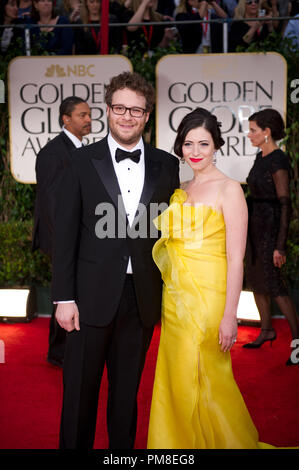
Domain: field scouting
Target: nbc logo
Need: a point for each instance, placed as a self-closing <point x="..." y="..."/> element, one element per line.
<point x="69" y="70"/>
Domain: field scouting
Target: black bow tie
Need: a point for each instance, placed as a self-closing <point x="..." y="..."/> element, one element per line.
<point x="122" y="154"/>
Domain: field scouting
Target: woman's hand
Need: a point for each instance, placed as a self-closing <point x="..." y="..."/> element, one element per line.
<point x="228" y="331"/>
<point x="278" y="259"/>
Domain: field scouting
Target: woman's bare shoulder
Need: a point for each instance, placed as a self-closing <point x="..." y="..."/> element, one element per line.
<point x="231" y="185"/>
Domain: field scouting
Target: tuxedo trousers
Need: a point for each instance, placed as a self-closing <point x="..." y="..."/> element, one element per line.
<point x="122" y="346"/>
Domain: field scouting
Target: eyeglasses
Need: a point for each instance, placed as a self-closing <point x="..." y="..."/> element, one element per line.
<point x="134" y="112"/>
<point x="248" y="2"/>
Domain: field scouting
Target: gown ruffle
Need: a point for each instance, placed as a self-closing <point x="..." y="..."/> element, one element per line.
<point x="196" y="402"/>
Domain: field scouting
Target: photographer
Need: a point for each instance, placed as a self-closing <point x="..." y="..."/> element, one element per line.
<point x="204" y="37"/>
<point x="243" y="33"/>
<point x="148" y="38"/>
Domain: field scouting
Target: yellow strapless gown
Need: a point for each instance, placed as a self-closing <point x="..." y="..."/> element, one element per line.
<point x="196" y="402"/>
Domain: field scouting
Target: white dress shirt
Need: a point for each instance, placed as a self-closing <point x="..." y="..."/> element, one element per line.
<point x="130" y="176"/>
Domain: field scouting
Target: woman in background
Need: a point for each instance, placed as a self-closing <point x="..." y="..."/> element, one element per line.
<point x="9" y="17"/>
<point x="190" y="34"/>
<point x="270" y="212"/>
<point x="59" y="41"/>
<point x="243" y="33"/>
<point x="148" y="38"/>
<point x="88" y="39"/>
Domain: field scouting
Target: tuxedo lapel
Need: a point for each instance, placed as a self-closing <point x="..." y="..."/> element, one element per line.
<point x="105" y="170"/>
<point x="152" y="170"/>
<point x="103" y="164"/>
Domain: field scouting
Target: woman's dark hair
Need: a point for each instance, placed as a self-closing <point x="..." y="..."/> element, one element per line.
<point x="272" y="119"/>
<point x="34" y="15"/>
<point x="67" y="106"/>
<point x="3" y="4"/>
<point x="200" y="117"/>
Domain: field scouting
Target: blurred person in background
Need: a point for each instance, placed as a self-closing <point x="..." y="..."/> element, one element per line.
<point x="88" y="39"/>
<point x="212" y="39"/>
<point x="292" y="27"/>
<point x="70" y="9"/>
<point x="148" y="38"/>
<point x="51" y="162"/>
<point x="58" y="41"/>
<point x="9" y="17"/>
<point x="243" y="33"/>
<point x="190" y="35"/>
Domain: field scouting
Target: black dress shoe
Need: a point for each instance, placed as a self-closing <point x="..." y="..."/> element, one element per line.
<point x="262" y="338"/>
<point x="55" y="361"/>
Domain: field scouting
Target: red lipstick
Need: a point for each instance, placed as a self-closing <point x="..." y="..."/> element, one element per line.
<point x="196" y="160"/>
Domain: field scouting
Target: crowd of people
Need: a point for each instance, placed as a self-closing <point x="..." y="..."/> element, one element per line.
<point x="197" y="38"/>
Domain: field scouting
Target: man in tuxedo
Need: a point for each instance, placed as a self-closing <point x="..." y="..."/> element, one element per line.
<point x="107" y="270"/>
<point x="54" y="157"/>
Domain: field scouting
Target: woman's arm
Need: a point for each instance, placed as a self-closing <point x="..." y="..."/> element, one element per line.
<point x="248" y="37"/>
<point x="235" y="214"/>
<point x="138" y="15"/>
<point x="282" y="187"/>
<point x="218" y="10"/>
<point x="203" y="9"/>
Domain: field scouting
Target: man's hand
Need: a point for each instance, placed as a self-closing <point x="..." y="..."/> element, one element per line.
<point x="67" y="316"/>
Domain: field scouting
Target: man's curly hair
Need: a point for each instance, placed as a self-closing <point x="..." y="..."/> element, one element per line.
<point x="134" y="82"/>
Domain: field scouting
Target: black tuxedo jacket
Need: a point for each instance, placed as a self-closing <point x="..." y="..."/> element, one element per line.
<point x="52" y="159"/>
<point x="92" y="270"/>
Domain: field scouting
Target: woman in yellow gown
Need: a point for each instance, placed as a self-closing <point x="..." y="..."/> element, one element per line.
<point x="196" y="402"/>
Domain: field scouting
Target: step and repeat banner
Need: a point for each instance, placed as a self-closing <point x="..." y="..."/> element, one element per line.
<point x="232" y="86"/>
<point x="37" y="85"/>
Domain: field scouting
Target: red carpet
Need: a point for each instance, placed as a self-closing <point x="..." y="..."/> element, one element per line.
<point x="31" y="389"/>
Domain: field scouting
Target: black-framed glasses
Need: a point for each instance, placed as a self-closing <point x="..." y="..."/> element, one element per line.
<point x="120" y="109"/>
<point x="248" y="2"/>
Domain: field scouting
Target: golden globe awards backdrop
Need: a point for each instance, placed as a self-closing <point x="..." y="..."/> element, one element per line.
<point x="37" y="85"/>
<point x="231" y="86"/>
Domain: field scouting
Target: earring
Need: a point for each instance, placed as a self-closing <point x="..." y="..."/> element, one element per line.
<point x="183" y="161"/>
<point x="215" y="158"/>
<point x="266" y="139"/>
